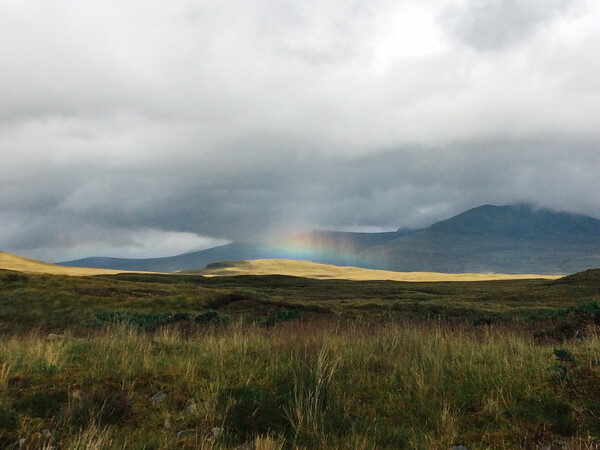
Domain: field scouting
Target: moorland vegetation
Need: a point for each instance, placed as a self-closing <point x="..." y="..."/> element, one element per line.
<point x="184" y="361"/>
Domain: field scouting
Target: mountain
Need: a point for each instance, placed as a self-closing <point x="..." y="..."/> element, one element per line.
<point x="327" y="247"/>
<point x="507" y="239"/>
<point x="504" y="239"/>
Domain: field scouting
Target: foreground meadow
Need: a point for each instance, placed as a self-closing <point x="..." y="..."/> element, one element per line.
<point x="307" y="384"/>
<point x="159" y="362"/>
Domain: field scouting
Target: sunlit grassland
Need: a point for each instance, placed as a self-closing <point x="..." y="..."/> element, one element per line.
<point x="310" y="269"/>
<point x="9" y="261"/>
<point x="53" y="302"/>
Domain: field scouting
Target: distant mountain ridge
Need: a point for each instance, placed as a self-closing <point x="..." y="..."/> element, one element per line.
<point x="506" y="239"/>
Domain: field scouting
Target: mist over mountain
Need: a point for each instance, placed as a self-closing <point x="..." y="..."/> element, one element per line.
<point x="508" y="239"/>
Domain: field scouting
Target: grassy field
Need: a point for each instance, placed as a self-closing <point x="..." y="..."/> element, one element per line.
<point x="173" y="361"/>
<point x="308" y="269"/>
<point x="9" y="261"/>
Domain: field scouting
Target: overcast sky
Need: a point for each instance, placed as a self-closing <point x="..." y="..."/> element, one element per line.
<point x="149" y="128"/>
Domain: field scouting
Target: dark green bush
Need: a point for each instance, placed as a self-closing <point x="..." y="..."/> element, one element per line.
<point x="144" y="321"/>
<point x="102" y="406"/>
<point x="251" y="410"/>
<point x="211" y="316"/>
<point x="564" y="355"/>
<point x="8" y="420"/>
<point x="284" y="315"/>
<point x="43" y="404"/>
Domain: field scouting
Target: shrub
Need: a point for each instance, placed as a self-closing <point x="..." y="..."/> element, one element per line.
<point x="100" y="406"/>
<point x="8" y="420"/>
<point x="564" y="355"/>
<point x="284" y="315"/>
<point x="144" y="321"/>
<point x="250" y="410"/>
<point x="211" y="316"/>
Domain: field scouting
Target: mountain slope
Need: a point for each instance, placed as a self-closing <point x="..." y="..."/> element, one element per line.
<point x="9" y="261"/>
<point x="509" y="239"/>
<point x="328" y="247"/>
<point x="504" y="239"/>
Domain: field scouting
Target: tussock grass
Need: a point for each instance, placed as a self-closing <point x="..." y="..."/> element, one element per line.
<point x="309" y="384"/>
<point x="158" y="362"/>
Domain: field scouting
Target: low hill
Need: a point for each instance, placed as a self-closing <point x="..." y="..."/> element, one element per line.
<point x="190" y="260"/>
<point x="9" y="261"/>
<point x="328" y="247"/>
<point x="308" y="269"/>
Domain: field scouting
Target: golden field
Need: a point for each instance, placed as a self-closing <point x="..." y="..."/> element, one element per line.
<point x="9" y="261"/>
<point x="309" y="269"/>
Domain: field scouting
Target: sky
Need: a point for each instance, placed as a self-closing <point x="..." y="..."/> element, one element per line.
<point x="149" y="128"/>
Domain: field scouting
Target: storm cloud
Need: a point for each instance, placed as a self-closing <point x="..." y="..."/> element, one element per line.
<point x="146" y="128"/>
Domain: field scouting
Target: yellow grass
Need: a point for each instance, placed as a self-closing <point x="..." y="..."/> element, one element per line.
<point x="324" y="271"/>
<point x="13" y="262"/>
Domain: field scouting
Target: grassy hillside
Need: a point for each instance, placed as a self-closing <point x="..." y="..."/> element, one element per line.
<point x="18" y="263"/>
<point x="308" y="269"/>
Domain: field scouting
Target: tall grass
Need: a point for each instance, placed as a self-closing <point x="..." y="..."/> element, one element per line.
<point x="310" y="384"/>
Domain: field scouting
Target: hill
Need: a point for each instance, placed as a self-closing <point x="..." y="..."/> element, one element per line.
<point x="509" y="239"/>
<point x="9" y="261"/>
<point x="504" y="239"/>
<point x="328" y="247"/>
<point x="308" y="269"/>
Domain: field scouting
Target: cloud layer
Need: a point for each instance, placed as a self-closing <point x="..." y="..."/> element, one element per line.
<point x="141" y="128"/>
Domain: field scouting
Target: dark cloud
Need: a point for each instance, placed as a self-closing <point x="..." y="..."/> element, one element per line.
<point x="147" y="128"/>
<point x="496" y="24"/>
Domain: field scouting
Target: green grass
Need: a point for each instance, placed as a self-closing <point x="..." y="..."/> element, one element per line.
<point x="306" y="384"/>
<point x="53" y="302"/>
<point x="297" y="363"/>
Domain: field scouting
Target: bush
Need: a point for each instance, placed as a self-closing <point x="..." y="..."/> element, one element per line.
<point x="8" y="420"/>
<point x="211" y="316"/>
<point x="100" y="406"/>
<point x="284" y="315"/>
<point x="250" y="410"/>
<point x="144" y="321"/>
<point x="43" y="404"/>
<point x="564" y="355"/>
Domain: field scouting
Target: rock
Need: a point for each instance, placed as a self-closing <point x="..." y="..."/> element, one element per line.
<point x="183" y="434"/>
<point x="191" y="409"/>
<point x="217" y="431"/>
<point x="248" y="445"/>
<point x="53" y="337"/>
<point x="158" y="397"/>
<point x="556" y="444"/>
